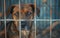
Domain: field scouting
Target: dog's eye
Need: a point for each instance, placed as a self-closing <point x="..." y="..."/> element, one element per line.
<point x="28" y="13"/>
<point x="16" y="14"/>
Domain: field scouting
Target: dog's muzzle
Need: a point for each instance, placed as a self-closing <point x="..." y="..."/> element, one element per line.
<point x="25" y="25"/>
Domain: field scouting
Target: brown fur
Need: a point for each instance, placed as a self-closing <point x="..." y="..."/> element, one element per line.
<point x="24" y="10"/>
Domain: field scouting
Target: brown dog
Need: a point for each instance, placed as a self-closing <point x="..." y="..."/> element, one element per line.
<point x="27" y="11"/>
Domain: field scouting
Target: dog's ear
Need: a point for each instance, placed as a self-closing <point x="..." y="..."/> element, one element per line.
<point x="33" y="7"/>
<point x="10" y="10"/>
<point x="37" y="10"/>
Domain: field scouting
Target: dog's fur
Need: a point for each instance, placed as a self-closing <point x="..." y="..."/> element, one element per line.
<point x="27" y="11"/>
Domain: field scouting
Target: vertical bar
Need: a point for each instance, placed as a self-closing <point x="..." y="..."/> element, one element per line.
<point x="19" y="20"/>
<point x="50" y="28"/>
<point x="35" y="17"/>
<point x="5" y="17"/>
<point x="50" y="19"/>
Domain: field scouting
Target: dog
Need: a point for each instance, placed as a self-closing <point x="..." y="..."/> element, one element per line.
<point x="27" y="11"/>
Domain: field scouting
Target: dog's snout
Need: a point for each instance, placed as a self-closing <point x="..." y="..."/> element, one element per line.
<point x="23" y="24"/>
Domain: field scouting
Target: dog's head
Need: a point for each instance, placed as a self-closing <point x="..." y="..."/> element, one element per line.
<point x="25" y="11"/>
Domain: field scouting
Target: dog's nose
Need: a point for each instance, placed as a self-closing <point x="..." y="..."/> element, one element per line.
<point x="23" y="24"/>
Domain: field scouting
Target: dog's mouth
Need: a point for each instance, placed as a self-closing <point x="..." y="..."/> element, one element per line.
<point x="25" y="25"/>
